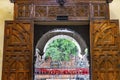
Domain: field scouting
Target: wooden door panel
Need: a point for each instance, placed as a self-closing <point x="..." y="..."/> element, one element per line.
<point x="105" y="50"/>
<point x="17" y="61"/>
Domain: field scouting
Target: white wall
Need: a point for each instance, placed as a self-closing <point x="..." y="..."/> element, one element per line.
<point x="6" y="13"/>
<point x="115" y="9"/>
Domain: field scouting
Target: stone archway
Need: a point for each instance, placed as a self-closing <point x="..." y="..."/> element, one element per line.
<point x="43" y="40"/>
<point x="78" y="61"/>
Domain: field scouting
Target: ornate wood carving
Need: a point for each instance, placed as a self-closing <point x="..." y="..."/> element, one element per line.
<point x="105" y="50"/>
<point x="54" y="11"/>
<point x="49" y="11"/>
<point x="100" y="11"/>
<point x="17" y="51"/>
<point x="40" y="11"/>
<point x="105" y="38"/>
<point x="23" y="10"/>
<point x="82" y="10"/>
<point x="76" y="1"/>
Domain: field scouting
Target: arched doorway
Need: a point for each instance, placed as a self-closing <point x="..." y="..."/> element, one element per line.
<point x="55" y="57"/>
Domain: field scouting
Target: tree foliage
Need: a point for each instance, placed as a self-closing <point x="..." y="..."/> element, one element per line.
<point x="61" y="49"/>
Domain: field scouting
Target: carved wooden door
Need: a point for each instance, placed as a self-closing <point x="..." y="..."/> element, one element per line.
<point x="17" y="60"/>
<point x="105" y="50"/>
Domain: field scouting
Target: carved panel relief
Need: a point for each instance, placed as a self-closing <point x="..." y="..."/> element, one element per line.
<point x="82" y="10"/>
<point x="106" y="35"/>
<point x="24" y="10"/>
<point x="105" y="48"/>
<point x="75" y="10"/>
<point x="49" y="9"/>
<point x="69" y="1"/>
<point x="99" y="11"/>
<point x="40" y="11"/>
<point x="54" y="11"/>
<point x="17" y="51"/>
<point x="51" y="12"/>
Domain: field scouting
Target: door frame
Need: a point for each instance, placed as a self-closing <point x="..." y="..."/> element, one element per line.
<point x="65" y="22"/>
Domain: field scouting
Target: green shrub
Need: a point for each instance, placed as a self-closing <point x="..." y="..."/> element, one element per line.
<point x="61" y="50"/>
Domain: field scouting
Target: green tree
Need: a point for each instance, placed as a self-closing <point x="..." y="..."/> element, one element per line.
<point x="61" y="49"/>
